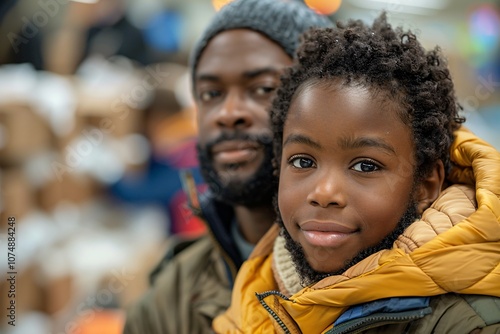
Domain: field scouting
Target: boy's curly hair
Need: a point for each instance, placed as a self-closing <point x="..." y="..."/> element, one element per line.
<point x="387" y="60"/>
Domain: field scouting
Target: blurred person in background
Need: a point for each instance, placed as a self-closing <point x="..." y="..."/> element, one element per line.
<point x="23" y="40"/>
<point x="170" y="130"/>
<point x="236" y="67"/>
<point x="60" y="36"/>
<point x="88" y="29"/>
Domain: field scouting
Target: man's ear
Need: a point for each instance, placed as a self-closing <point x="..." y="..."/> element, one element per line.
<point x="430" y="186"/>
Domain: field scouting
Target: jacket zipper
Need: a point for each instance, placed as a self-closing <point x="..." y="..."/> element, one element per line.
<point x="368" y="322"/>
<point x="261" y="296"/>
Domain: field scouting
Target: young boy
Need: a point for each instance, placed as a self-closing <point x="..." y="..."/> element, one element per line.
<point x="364" y="124"/>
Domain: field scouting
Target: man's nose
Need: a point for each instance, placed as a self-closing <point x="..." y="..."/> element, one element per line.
<point x="235" y="112"/>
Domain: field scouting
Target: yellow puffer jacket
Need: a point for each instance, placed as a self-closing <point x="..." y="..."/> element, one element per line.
<point x="454" y="248"/>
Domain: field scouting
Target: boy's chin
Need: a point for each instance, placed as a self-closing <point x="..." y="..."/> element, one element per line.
<point x="307" y="268"/>
<point x="327" y="269"/>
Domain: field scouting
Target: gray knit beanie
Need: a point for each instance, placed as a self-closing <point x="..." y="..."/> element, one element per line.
<point x="282" y="21"/>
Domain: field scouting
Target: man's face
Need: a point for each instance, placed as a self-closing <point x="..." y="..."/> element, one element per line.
<point x="235" y="81"/>
<point x="346" y="179"/>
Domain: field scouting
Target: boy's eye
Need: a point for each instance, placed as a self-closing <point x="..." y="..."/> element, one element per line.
<point x="366" y="166"/>
<point x="301" y="162"/>
<point x="209" y="95"/>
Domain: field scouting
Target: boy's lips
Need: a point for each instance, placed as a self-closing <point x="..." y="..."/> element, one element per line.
<point x="326" y="234"/>
<point x="234" y="152"/>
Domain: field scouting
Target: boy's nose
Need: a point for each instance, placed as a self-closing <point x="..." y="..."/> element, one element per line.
<point x="327" y="191"/>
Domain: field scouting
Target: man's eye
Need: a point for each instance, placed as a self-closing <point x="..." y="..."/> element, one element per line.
<point x="301" y="162"/>
<point x="209" y="95"/>
<point x="366" y="166"/>
<point x="264" y="90"/>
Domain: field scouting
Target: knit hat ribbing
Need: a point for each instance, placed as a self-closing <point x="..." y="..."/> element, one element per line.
<point x="282" y="21"/>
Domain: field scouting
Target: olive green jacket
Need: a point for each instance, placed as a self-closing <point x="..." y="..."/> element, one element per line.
<point x="188" y="292"/>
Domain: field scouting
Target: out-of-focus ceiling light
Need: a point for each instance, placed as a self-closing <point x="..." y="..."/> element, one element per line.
<point x="86" y="1"/>
<point x="422" y="7"/>
<point x="218" y="4"/>
<point x="325" y="7"/>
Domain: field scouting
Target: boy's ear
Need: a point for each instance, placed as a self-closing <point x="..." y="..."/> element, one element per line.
<point x="430" y="187"/>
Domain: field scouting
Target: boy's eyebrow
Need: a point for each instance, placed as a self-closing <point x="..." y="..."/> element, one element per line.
<point x="301" y="139"/>
<point x="359" y="142"/>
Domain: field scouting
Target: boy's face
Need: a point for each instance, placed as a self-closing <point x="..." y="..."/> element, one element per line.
<point x="347" y="175"/>
<point x="235" y="82"/>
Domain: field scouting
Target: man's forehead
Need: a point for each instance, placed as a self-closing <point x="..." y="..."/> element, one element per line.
<point x="244" y="49"/>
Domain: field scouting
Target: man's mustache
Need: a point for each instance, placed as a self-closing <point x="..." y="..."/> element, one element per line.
<point x="261" y="139"/>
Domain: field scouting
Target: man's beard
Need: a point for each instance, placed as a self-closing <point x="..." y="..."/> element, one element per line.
<point x="309" y="276"/>
<point x="255" y="191"/>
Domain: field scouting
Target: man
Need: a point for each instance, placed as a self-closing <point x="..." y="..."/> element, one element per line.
<point x="236" y="67"/>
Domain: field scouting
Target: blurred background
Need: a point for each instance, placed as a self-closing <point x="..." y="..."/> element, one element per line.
<point x="97" y="124"/>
